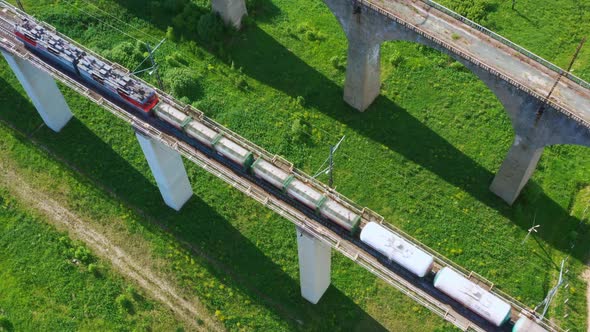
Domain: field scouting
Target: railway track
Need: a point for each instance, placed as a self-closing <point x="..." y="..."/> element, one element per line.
<point x="420" y="290"/>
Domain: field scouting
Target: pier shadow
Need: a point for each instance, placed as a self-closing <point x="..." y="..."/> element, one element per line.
<point x="209" y="236"/>
<point x="263" y="58"/>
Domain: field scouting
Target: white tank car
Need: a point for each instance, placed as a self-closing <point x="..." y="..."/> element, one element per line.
<point x="340" y="215"/>
<point x="171" y="115"/>
<point x="233" y="151"/>
<point x="524" y="324"/>
<point x="397" y="249"/>
<point x="202" y="133"/>
<point x="269" y="172"/>
<point x="305" y="194"/>
<point x="480" y="301"/>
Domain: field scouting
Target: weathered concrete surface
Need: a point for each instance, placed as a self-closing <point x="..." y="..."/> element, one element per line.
<point x="517" y="169"/>
<point x="168" y="169"/>
<point x="314" y="266"/>
<point x="519" y="83"/>
<point x="43" y="91"/>
<point x="231" y="11"/>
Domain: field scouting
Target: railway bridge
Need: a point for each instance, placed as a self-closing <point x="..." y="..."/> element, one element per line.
<point x="315" y="237"/>
<point x="520" y="79"/>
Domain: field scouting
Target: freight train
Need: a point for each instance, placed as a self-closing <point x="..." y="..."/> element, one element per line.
<point x="135" y="96"/>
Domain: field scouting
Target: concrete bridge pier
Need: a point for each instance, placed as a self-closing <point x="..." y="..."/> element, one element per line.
<point x="168" y="169"/>
<point x="314" y="266"/>
<point x="231" y="11"/>
<point x="363" y="70"/>
<point x="516" y="170"/>
<point x="43" y="91"/>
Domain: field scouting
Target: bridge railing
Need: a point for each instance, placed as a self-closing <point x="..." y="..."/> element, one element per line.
<point x="508" y="43"/>
<point x="290" y="213"/>
<point x="552" y="102"/>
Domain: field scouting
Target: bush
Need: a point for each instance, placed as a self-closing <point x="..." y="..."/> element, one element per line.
<point x="125" y="304"/>
<point x="5" y="324"/>
<point x="210" y="27"/>
<point x="176" y="60"/>
<point x="184" y="82"/>
<point x="82" y="254"/>
<point x="338" y="62"/>
<point x="127" y="54"/>
<point x="300" y="131"/>
<point x="310" y="32"/>
<point x="170" y="34"/>
<point x="476" y="10"/>
<point x="396" y="59"/>
<point x="93" y="269"/>
<point x="132" y="292"/>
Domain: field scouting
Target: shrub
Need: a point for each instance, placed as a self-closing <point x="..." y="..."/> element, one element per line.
<point x="476" y="10"/>
<point x="93" y="269"/>
<point x="82" y="254"/>
<point x="5" y="324"/>
<point x="184" y="82"/>
<point x="132" y="292"/>
<point x="396" y="59"/>
<point x="176" y="60"/>
<point x="127" y="54"/>
<point x="300" y="131"/>
<point x="170" y="34"/>
<point x="338" y="62"/>
<point x="125" y="304"/>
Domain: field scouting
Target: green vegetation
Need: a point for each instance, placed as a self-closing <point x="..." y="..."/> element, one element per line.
<point x="46" y="282"/>
<point x="423" y="156"/>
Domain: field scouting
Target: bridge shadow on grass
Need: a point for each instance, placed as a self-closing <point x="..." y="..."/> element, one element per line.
<point x="228" y="255"/>
<point x="263" y="58"/>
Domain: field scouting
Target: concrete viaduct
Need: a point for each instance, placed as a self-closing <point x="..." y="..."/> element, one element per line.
<point x="520" y="80"/>
<point x="314" y="241"/>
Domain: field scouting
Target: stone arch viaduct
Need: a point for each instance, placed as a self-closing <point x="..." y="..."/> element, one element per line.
<point x="520" y="80"/>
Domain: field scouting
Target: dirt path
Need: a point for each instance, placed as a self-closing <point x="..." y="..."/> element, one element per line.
<point x="155" y="286"/>
<point x="586" y="277"/>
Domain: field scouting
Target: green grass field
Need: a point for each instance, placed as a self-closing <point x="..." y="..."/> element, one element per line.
<point x="422" y="155"/>
<point x="49" y="283"/>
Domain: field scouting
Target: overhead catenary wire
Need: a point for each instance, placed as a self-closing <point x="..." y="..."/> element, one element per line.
<point x="104" y="22"/>
<point x="149" y="37"/>
<point x="318" y="128"/>
<point x="424" y="206"/>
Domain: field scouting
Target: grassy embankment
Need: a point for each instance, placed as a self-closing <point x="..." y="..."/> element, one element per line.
<point x="422" y="155"/>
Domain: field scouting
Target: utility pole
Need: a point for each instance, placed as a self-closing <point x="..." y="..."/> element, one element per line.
<point x="561" y="74"/>
<point x="154" y="67"/>
<point x="331" y="180"/>
<point x="547" y="301"/>
<point x="20" y="5"/>
<point x="330" y="169"/>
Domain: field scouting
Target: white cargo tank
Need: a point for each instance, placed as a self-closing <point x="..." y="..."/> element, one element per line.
<point x="202" y="133"/>
<point x="479" y="300"/>
<point x="305" y="194"/>
<point x="340" y="215"/>
<point x="171" y="115"/>
<point x="524" y="324"/>
<point x="269" y="172"/>
<point x="397" y="249"/>
<point x="233" y="151"/>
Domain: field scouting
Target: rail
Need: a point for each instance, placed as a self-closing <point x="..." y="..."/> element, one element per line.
<point x="449" y="48"/>
<point x="290" y="213"/>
